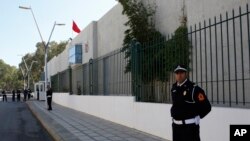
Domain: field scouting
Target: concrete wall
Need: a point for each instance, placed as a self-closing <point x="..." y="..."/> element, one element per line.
<point x="106" y="34"/>
<point x="87" y="38"/>
<point x="152" y="118"/>
<point x="225" y="60"/>
<point x="110" y="31"/>
<point x="200" y="10"/>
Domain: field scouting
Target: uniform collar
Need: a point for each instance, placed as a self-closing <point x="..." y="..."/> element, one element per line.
<point x="178" y="84"/>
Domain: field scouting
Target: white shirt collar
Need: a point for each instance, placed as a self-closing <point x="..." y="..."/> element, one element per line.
<point x="178" y="84"/>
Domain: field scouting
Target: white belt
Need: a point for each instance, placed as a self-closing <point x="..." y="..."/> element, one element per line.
<point x="49" y="96"/>
<point x="195" y="120"/>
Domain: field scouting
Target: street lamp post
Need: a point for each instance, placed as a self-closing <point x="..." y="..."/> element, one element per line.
<point x="29" y="71"/>
<point x="29" y="8"/>
<point x="23" y="77"/>
<point x="45" y="45"/>
<point x="46" y="52"/>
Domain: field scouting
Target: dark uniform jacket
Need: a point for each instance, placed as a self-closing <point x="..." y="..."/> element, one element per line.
<point x="49" y="93"/>
<point x="189" y="101"/>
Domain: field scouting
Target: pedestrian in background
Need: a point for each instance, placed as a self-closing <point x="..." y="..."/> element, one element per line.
<point x="29" y="93"/>
<point x="4" y="96"/>
<point x="37" y="91"/>
<point x="18" y="95"/>
<point x="25" y="93"/>
<point x="13" y="95"/>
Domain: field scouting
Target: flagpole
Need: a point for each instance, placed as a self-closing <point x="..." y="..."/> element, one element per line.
<point x="72" y="31"/>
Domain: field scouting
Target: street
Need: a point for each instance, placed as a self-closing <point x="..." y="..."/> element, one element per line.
<point x="18" y="124"/>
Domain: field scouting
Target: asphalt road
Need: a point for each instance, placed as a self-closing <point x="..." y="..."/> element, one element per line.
<point x="18" y="124"/>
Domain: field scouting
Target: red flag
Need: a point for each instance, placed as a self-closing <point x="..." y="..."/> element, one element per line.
<point x="75" y="27"/>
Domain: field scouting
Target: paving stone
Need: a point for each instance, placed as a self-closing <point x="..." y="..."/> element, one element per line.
<point x="73" y="125"/>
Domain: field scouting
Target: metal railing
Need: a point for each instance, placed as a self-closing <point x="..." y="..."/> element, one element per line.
<point x="217" y="52"/>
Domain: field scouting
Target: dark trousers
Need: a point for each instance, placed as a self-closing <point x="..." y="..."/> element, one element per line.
<point x="18" y="97"/>
<point x="49" y="100"/>
<point x="188" y="132"/>
<point x="4" y="97"/>
<point x="25" y="97"/>
<point x="38" y="95"/>
<point x="13" y="97"/>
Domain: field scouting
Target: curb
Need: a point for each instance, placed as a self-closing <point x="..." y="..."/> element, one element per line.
<point x="46" y="126"/>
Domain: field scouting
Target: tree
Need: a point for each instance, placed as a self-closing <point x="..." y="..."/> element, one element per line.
<point x="53" y="50"/>
<point x="147" y="49"/>
<point x="9" y="77"/>
<point x="140" y="25"/>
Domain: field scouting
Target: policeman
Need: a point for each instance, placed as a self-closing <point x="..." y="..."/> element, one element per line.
<point x="4" y="96"/>
<point x="190" y="104"/>
<point x="18" y="95"/>
<point x="13" y="95"/>
<point x="25" y="93"/>
<point x="49" y="97"/>
<point x="29" y="93"/>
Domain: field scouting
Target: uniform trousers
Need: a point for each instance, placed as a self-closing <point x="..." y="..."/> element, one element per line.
<point x="49" y="100"/>
<point x="186" y="132"/>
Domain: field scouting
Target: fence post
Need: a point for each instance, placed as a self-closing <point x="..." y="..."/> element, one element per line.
<point x="70" y="80"/>
<point x="135" y="48"/>
<point x="58" y="81"/>
<point x="91" y="76"/>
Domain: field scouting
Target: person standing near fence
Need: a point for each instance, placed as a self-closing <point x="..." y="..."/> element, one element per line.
<point x="29" y="93"/>
<point x="13" y="95"/>
<point x="4" y="96"/>
<point x="49" y="97"/>
<point x="190" y="104"/>
<point x="25" y="93"/>
<point x="18" y="95"/>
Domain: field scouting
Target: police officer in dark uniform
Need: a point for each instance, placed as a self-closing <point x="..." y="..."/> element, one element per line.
<point x="18" y="95"/>
<point x="13" y="95"/>
<point x="190" y="104"/>
<point x="4" y="96"/>
<point x="49" y="97"/>
<point x="25" y="93"/>
<point x="29" y="93"/>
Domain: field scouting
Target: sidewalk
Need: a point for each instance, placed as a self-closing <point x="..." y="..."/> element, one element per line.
<point x="65" y="124"/>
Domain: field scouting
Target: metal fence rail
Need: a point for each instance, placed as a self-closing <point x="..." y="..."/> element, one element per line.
<point x="61" y="81"/>
<point x="222" y="58"/>
<point x="216" y="50"/>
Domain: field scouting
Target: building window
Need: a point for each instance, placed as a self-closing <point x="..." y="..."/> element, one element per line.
<point x="75" y="54"/>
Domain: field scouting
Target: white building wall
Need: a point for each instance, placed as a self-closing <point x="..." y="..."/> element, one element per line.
<point x="110" y="31"/>
<point x="106" y="34"/>
<point x="152" y="118"/>
<point x="86" y="39"/>
<point x="200" y="10"/>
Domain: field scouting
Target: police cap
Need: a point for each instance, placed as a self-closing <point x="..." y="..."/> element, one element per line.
<point x="180" y="68"/>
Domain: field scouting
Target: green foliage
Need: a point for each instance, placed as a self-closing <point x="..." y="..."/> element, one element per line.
<point x="156" y="57"/>
<point x="54" y="49"/>
<point x="140" y="25"/>
<point x="9" y="77"/>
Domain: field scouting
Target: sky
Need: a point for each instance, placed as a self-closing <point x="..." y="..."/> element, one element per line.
<point x="18" y="32"/>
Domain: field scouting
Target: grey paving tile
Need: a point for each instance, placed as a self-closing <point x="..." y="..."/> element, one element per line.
<point x="132" y="139"/>
<point x="115" y="138"/>
<point x="89" y="128"/>
<point x="100" y="138"/>
<point x="93" y="135"/>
